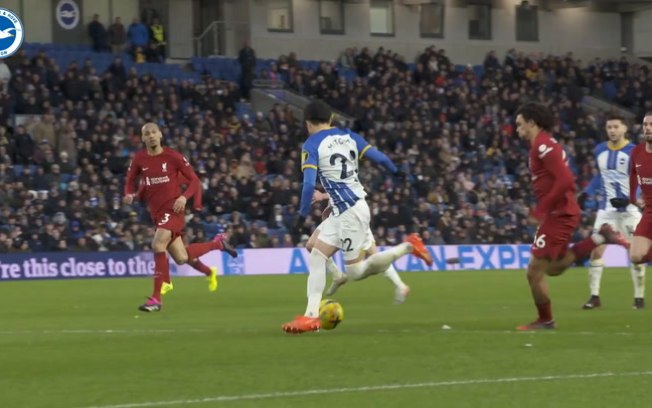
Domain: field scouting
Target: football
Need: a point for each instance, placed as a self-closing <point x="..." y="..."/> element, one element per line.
<point x="330" y="313"/>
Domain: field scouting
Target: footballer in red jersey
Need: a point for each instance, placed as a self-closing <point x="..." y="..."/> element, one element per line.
<point x="556" y="212"/>
<point x="162" y="172"/>
<point x="640" y="176"/>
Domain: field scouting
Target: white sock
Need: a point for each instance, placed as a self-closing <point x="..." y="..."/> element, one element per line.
<point x="316" y="281"/>
<point x="638" y="278"/>
<point x="392" y="275"/>
<point x="333" y="270"/>
<point x="380" y="261"/>
<point x="595" y="275"/>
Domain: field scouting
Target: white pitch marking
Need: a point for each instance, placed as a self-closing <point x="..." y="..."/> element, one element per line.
<point x="385" y="387"/>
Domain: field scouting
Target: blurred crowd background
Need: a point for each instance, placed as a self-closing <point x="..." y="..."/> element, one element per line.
<point x="63" y="160"/>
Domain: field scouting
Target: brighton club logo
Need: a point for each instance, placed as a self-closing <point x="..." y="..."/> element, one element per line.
<point x="67" y="13"/>
<point x="11" y="33"/>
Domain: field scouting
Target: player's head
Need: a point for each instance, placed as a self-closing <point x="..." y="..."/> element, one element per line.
<point x="151" y="135"/>
<point x="533" y="118"/>
<point x="616" y="127"/>
<point x="647" y="127"/>
<point x="317" y="114"/>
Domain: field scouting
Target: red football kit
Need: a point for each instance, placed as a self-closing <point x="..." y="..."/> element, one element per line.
<point x="640" y="175"/>
<point x="161" y="177"/>
<point x="557" y="207"/>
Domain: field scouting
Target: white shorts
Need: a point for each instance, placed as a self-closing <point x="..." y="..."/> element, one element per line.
<point x="625" y="222"/>
<point x="349" y="231"/>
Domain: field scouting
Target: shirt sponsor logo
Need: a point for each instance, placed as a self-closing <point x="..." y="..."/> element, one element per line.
<point x="150" y="181"/>
<point x="644" y="181"/>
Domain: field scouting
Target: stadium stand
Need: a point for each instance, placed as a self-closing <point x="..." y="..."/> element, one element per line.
<point x="448" y="126"/>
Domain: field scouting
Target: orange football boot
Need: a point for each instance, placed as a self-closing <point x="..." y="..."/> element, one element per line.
<point x="419" y="248"/>
<point x="302" y="324"/>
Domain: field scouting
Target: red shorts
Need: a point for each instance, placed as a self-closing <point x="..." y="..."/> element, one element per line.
<point x="553" y="236"/>
<point x="171" y="221"/>
<point x="644" y="227"/>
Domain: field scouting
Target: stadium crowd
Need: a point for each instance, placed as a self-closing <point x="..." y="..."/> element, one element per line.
<point x="451" y="130"/>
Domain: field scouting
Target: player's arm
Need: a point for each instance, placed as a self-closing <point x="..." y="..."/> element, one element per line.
<point x="309" y="180"/>
<point x="194" y="185"/>
<point x="555" y="163"/>
<point x="368" y="151"/>
<point x="309" y="163"/>
<point x="130" y="183"/>
<point x="633" y="182"/>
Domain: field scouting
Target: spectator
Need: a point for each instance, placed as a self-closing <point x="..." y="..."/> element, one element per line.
<point x="25" y="147"/>
<point x="5" y="76"/>
<point x="44" y="130"/>
<point x="138" y="35"/>
<point x="491" y="63"/>
<point x="117" y="36"/>
<point x="453" y="120"/>
<point x="247" y="60"/>
<point x="98" y="34"/>
<point x="157" y="35"/>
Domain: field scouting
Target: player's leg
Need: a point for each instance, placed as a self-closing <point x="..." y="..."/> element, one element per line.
<point x="160" y="243"/>
<point x="536" y="277"/>
<point x="317" y="258"/>
<point x="356" y="231"/>
<point x="219" y="243"/>
<point x="195" y="251"/>
<point x="640" y="250"/>
<point x="549" y="251"/>
<point x="181" y="255"/>
<point x="381" y="261"/>
<point x="596" y="267"/>
<point x="401" y="290"/>
<point x="596" y="264"/>
<point x="321" y="250"/>
<point x="353" y="236"/>
<point x="331" y="266"/>
<point x="561" y="230"/>
<point x="628" y="223"/>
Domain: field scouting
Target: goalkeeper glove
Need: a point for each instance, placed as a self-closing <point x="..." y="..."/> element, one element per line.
<point x="619" y="202"/>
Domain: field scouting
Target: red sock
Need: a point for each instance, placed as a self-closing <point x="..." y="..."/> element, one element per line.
<point x="197" y="250"/>
<point x="200" y="266"/>
<point x="583" y="249"/>
<point x="161" y="273"/>
<point x="545" y="311"/>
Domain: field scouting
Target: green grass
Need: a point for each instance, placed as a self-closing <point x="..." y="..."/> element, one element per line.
<point x="82" y="343"/>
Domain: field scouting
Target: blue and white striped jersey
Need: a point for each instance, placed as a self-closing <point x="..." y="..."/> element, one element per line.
<point x="613" y="178"/>
<point x="334" y="153"/>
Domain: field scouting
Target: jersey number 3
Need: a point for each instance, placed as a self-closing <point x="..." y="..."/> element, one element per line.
<point x="345" y="173"/>
<point x="166" y="218"/>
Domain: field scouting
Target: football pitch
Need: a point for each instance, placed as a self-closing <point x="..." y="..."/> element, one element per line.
<point x="82" y="343"/>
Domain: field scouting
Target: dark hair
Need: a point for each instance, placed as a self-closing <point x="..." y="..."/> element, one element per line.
<point x="317" y="112"/>
<point x="615" y="116"/>
<point x="537" y="113"/>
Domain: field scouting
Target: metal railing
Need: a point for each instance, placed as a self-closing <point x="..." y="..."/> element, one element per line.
<point x="213" y="40"/>
<point x="263" y="98"/>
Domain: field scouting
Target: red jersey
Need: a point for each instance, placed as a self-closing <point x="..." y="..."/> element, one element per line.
<point x="552" y="180"/>
<point x="640" y="175"/>
<point x="161" y="177"/>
